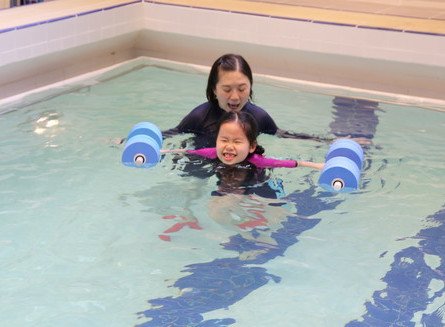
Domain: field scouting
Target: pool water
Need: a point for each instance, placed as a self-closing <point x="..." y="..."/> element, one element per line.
<point x="86" y="241"/>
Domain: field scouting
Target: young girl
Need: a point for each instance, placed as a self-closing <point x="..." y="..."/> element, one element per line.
<point x="238" y="154"/>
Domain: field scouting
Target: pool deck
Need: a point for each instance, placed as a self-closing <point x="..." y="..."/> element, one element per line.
<point x="413" y="15"/>
<point x="393" y="46"/>
<point x="420" y="16"/>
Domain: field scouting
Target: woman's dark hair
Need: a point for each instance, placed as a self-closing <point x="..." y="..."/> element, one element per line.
<point x="247" y="123"/>
<point x="228" y="63"/>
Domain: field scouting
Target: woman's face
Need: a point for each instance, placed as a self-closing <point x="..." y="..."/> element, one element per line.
<point x="232" y="90"/>
<point x="232" y="145"/>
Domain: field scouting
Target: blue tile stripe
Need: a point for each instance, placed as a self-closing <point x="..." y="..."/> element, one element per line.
<point x="89" y="12"/>
<point x="407" y="291"/>
<point x="223" y="282"/>
<point x="60" y="18"/>
<point x="28" y="25"/>
<point x="10" y="29"/>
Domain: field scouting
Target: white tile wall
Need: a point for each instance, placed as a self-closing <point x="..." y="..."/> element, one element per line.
<point x="40" y="39"/>
<point x="292" y="34"/>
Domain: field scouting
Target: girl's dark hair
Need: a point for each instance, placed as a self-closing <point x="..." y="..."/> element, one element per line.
<point x="228" y="63"/>
<point x="247" y="123"/>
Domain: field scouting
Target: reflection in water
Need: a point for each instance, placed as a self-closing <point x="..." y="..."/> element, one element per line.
<point x="354" y="118"/>
<point x="46" y="123"/>
<point x="15" y="3"/>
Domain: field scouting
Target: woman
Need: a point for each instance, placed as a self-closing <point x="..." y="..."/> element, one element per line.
<point x="229" y="89"/>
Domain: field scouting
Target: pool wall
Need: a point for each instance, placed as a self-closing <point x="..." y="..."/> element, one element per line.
<point x="53" y="41"/>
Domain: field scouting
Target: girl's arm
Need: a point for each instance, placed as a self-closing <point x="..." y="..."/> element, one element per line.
<point x="209" y="153"/>
<point x="173" y="150"/>
<point x="309" y="164"/>
<point x="264" y="162"/>
<point x="256" y="159"/>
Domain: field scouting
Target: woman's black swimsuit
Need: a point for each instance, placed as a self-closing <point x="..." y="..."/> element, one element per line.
<point x="203" y="122"/>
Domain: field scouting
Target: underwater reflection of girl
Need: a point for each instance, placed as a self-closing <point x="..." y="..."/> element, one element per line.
<point x="232" y="179"/>
<point x="247" y="201"/>
<point x="245" y="179"/>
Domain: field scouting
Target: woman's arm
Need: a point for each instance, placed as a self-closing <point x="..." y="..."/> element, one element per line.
<point x="191" y="123"/>
<point x="267" y="125"/>
<point x="301" y="136"/>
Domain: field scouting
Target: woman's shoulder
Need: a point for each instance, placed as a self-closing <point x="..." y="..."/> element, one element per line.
<point x="198" y="113"/>
<point x="266" y="124"/>
<point x="251" y="105"/>
<point x="255" y="110"/>
<point x="200" y="109"/>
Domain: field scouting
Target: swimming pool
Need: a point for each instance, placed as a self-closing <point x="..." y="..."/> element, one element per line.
<point x="81" y="234"/>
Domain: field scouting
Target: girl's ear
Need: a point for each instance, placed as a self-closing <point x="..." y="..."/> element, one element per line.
<point x="252" y="147"/>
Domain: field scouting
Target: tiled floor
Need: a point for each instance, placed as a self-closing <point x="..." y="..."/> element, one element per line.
<point x="432" y="9"/>
<point x="409" y="15"/>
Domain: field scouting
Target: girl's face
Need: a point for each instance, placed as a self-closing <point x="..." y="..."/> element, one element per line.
<point x="232" y="90"/>
<point x="232" y="145"/>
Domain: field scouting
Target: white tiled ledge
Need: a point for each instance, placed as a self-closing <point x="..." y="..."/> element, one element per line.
<point x="47" y="11"/>
<point x="49" y="33"/>
<point x="44" y="46"/>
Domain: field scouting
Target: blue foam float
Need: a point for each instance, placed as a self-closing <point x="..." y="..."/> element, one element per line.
<point x="343" y="166"/>
<point x="147" y="128"/>
<point x="143" y="146"/>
